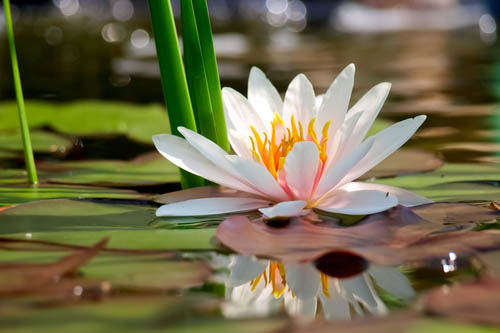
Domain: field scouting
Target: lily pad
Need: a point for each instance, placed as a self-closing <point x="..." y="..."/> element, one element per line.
<point x="477" y="302"/>
<point x="146" y="271"/>
<point x="150" y="169"/>
<point x="16" y="194"/>
<point x="84" y="118"/>
<point x="41" y="141"/>
<point x="405" y="161"/>
<point x="473" y="191"/>
<point x="85" y="222"/>
<point x="447" y="174"/>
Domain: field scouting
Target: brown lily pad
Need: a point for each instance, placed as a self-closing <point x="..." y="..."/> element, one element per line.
<point x="20" y="278"/>
<point x="477" y="302"/>
<point x="202" y="192"/>
<point x="404" y="162"/>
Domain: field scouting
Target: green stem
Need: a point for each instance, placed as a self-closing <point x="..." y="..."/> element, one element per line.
<point x="173" y="77"/>
<point x="207" y="47"/>
<point x="25" y="132"/>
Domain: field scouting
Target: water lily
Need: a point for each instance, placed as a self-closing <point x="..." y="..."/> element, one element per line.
<point x="296" y="154"/>
<point x="257" y="287"/>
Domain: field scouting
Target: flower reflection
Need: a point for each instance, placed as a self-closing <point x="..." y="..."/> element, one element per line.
<point x="256" y="288"/>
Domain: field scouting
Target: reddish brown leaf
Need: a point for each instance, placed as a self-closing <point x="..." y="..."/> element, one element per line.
<point x="403" y="162"/>
<point x="202" y="192"/>
<point x="21" y="277"/>
<point x="459" y="214"/>
<point x="477" y="302"/>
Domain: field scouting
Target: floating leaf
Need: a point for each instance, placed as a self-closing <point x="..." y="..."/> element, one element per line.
<point x="473" y="191"/>
<point x="405" y="161"/>
<point x="16" y="194"/>
<point x="41" y="141"/>
<point x="22" y="278"/>
<point x="139" y="122"/>
<point x="447" y="174"/>
<point x="84" y="222"/>
<point x="150" y="169"/>
<point x="476" y="302"/>
<point x="146" y="272"/>
<point x="201" y="192"/>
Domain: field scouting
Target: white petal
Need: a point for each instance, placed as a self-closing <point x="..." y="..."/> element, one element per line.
<point x="240" y="142"/>
<point x="241" y="113"/>
<point x="257" y="175"/>
<point x="301" y="167"/>
<point x="393" y="281"/>
<point x="359" y="202"/>
<point x="386" y="142"/>
<point x="368" y="108"/>
<point x="335" y="306"/>
<point x="210" y="206"/>
<point x="300" y="101"/>
<point x="319" y="101"/>
<point x="336" y="101"/>
<point x="244" y="269"/>
<point x="337" y="172"/>
<point x="263" y="95"/>
<point x="304" y="309"/>
<point x="405" y="198"/>
<point x="185" y="156"/>
<point x="286" y="209"/>
<point x="344" y="134"/>
<point x="217" y="156"/>
<point x="361" y="288"/>
<point x="303" y="280"/>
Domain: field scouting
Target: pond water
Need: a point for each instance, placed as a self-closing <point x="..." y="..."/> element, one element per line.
<point x="432" y="272"/>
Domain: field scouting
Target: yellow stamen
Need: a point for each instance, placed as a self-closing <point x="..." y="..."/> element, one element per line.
<point x="324" y="283"/>
<point x="255" y="282"/>
<point x="272" y="151"/>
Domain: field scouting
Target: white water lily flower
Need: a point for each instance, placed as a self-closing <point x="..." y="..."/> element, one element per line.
<point x="294" y="155"/>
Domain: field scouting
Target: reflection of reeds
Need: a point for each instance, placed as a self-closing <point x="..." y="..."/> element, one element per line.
<point x="25" y="133"/>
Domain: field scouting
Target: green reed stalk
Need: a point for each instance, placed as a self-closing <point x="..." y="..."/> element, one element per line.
<point x="212" y="73"/>
<point x="25" y="131"/>
<point x="173" y="77"/>
<point x="195" y="72"/>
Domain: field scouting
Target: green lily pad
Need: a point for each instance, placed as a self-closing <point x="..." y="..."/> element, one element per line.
<point x="41" y="141"/>
<point x="13" y="176"/>
<point x="447" y="174"/>
<point x="85" y="223"/>
<point x="146" y="271"/>
<point x="139" y="122"/>
<point x="16" y="194"/>
<point x="460" y="192"/>
<point x="151" y="169"/>
<point x="132" y="314"/>
<point x="9" y="154"/>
